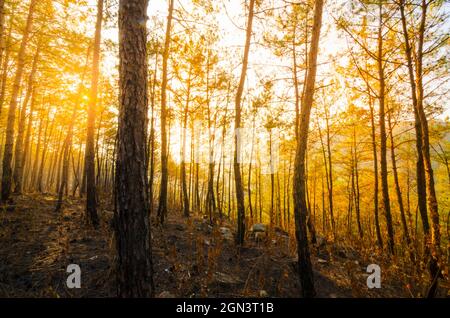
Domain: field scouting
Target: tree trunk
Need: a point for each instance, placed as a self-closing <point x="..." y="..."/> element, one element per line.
<point x="55" y="163"/>
<point x="429" y="177"/>
<point x="4" y="53"/>
<point x="89" y="161"/>
<point x="183" y="149"/>
<point x="309" y="220"/>
<point x="249" y="183"/>
<point x="330" y="172"/>
<point x="420" y="169"/>
<point x="47" y="136"/>
<point x="9" y="140"/>
<point x="36" y="156"/>
<point x="2" y="39"/>
<point x="272" y="181"/>
<point x="375" y="173"/>
<point x="355" y="185"/>
<point x="152" y="138"/>
<point x="76" y="181"/>
<point x="68" y="142"/>
<point x="132" y="226"/>
<point x="210" y="197"/>
<point x="240" y="234"/>
<point x="18" y="155"/>
<point x="383" y="138"/>
<point x="397" y="183"/>
<point x="162" y="208"/>
<point x="300" y="207"/>
<point x="2" y="30"/>
<point x="26" y="144"/>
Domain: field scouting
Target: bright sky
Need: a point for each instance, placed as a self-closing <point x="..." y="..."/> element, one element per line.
<point x="262" y="64"/>
<point x="232" y="21"/>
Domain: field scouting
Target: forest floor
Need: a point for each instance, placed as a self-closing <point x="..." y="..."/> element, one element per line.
<point x="191" y="259"/>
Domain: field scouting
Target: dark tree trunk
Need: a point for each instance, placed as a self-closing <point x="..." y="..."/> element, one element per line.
<point x="26" y="143"/>
<point x="272" y="181"/>
<point x="152" y="138"/>
<point x="240" y="234"/>
<point x="36" y="155"/>
<point x="375" y="173"/>
<point x="89" y="161"/>
<point x="47" y="136"/>
<point x="383" y="138"/>
<point x="132" y="227"/>
<point x="309" y="221"/>
<point x="435" y="241"/>
<point x="330" y="173"/>
<point x="305" y="271"/>
<point x="249" y="183"/>
<point x="397" y="182"/>
<point x="355" y="185"/>
<point x="420" y="169"/>
<point x="9" y="140"/>
<point x="2" y="31"/>
<point x="185" y="198"/>
<point x="18" y="166"/>
<point x="210" y="197"/>
<point x="162" y="208"/>
<point x="4" y="53"/>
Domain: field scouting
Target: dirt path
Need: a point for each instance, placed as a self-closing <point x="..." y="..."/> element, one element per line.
<point x="191" y="259"/>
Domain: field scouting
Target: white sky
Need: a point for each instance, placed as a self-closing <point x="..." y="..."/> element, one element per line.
<point x="232" y="21"/>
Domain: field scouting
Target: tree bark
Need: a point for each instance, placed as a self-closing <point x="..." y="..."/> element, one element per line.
<point x="240" y="234"/>
<point x="420" y="168"/>
<point x="5" y="61"/>
<point x="18" y="155"/>
<point x="355" y="185"/>
<point x="9" y="140"/>
<point x="152" y="137"/>
<point x="89" y="165"/>
<point x="305" y="271"/>
<point x="183" y="149"/>
<point x="132" y="227"/>
<point x="211" y="207"/>
<point x="375" y="173"/>
<point x="383" y="138"/>
<point x="330" y="171"/>
<point x="397" y="182"/>
<point x="26" y="144"/>
<point x="47" y="136"/>
<point x="162" y="208"/>
<point x="36" y="155"/>
<point x="429" y="177"/>
<point x="2" y="39"/>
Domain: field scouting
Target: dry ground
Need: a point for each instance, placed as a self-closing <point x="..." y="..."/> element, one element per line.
<point x="191" y="259"/>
